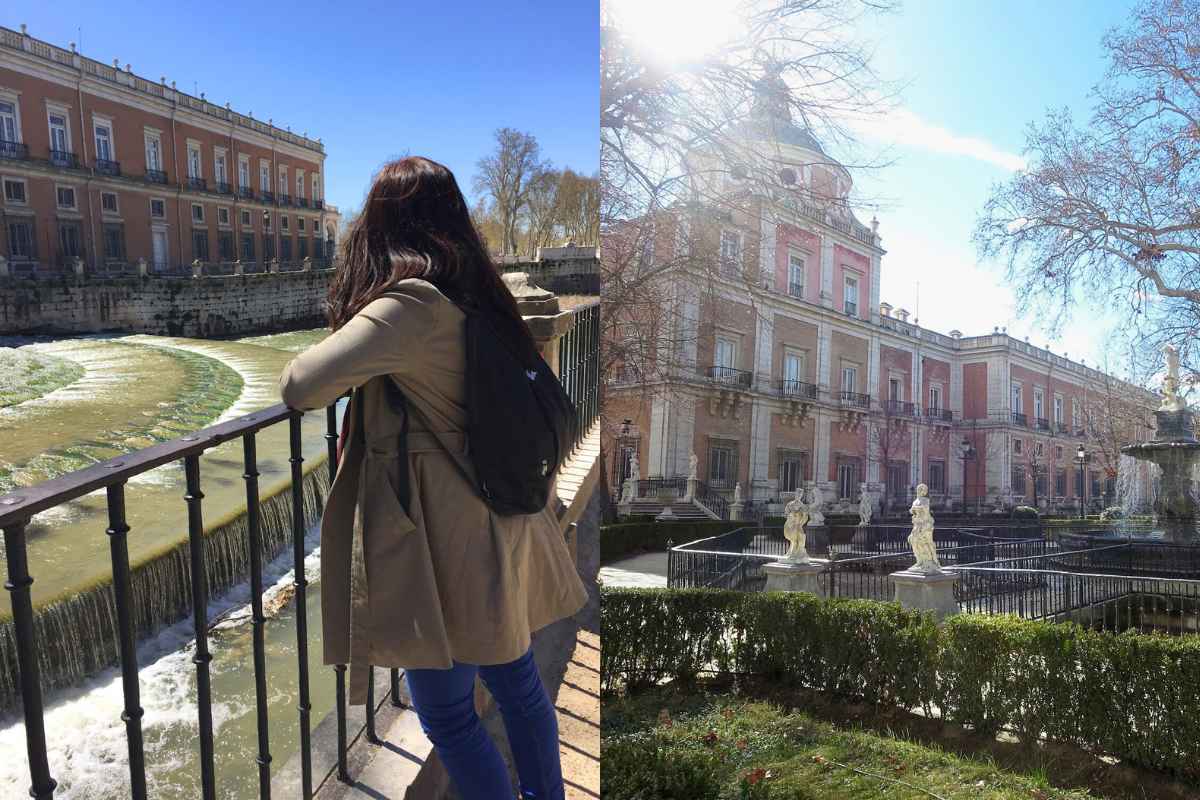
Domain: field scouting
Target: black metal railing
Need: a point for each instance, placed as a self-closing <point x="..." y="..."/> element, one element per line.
<point x="796" y="290"/>
<point x="656" y="487"/>
<point x="64" y="158"/>
<point x="854" y="399"/>
<point x="16" y="150"/>
<point x="267" y="197"/>
<point x="318" y="204"/>
<point x="578" y="364"/>
<point x="939" y="414"/>
<point x="245" y="192"/>
<point x="711" y="498"/>
<point x="1018" y="418"/>
<point x="198" y="184"/>
<point x="728" y="376"/>
<point x="224" y="188"/>
<point x="901" y="408"/>
<point x="302" y="202"/>
<point x="106" y="167"/>
<point x="156" y="176"/>
<point x="798" y="390"/>
<point x="285" y="199"/>
<point x="1042" y="423"/>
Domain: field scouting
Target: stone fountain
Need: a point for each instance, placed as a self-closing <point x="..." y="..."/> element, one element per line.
<point x="1174" y="450"/>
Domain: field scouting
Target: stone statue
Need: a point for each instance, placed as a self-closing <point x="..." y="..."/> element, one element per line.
<point x="921" y="538"/>
<point x="693" y="463"/>
<point x="866" y="507"/>
<point x="635" y="469"/>
<point x="815" y="517"/>
<point x="628" y="489"/>
<point x="737" y="493"/>
<point x="796" y="513"/>
<point x="1171" y="399"/>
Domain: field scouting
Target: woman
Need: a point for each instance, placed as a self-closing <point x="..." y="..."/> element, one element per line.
<point x="442" y="587"/>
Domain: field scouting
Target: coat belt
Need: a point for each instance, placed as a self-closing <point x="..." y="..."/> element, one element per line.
<point x="419" y="442"/>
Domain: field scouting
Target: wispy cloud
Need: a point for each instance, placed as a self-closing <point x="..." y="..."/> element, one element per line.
<point x="904" y="128"/>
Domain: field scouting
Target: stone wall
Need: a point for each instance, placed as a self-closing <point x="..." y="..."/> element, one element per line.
<point x="197" y="307"/>
<point x="562" y="270"/>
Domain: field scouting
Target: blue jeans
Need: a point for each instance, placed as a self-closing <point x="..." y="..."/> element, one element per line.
<point x="444" y="700"/>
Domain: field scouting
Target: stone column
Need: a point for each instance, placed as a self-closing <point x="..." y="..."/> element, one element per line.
<point x="540" y="308"/>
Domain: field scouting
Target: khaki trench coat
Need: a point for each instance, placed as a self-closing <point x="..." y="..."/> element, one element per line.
<point x="445" y="579"/>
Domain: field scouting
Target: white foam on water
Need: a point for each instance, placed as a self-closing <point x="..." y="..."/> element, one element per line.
<point x="88" y="749"/>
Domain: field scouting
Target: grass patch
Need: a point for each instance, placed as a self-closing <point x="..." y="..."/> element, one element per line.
<point x="666" y="744"/>
<point x="28" y="375"/>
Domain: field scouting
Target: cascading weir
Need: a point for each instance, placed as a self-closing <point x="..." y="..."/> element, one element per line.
<point x="77" y="635"/>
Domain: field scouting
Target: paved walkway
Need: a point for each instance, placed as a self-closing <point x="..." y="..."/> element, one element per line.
<point x="646" y="570"/>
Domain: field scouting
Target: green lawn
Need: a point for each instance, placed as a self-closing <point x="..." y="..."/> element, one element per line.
<point x="664" y="745"/>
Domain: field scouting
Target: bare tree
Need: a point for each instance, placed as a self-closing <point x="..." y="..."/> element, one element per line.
<point x="507" y="177"/>
<point x="1114" y="417"/>
<point x="541" y="210"/>
<point x="888" y="438"/>
<point x="578" y="207"/>
<point x="1111" y="211"/>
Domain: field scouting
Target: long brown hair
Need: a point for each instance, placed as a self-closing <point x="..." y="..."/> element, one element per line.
<point x="415" y="224"/>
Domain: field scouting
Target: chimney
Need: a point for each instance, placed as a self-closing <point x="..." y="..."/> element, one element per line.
<point x="885" y="309"/>
<point x="902" y="314"/>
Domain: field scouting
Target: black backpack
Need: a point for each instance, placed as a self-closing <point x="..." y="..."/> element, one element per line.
<point x="520" y="422"/>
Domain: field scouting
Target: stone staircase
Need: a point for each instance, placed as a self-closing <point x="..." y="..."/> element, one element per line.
<point x="691" y="510"/>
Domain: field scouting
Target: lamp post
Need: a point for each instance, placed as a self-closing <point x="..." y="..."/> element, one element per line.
<point x="1081" y="459"/>
<point x="968" y="454"/>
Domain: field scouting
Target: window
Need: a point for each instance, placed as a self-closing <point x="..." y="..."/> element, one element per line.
<point x="722" y="465"/>
<point x="849" y="379"/>
<point x="731" y="252"/>
<point x="14" y="191"/>
<point x="225" y="246"/>
<point x="1075" y="420"/>
<point x="114" y="242"/>
<point x="895" y="390"/>
<point x="1039" y="401"/>
<point x="850" y="298"/>
<point x="937" y="477"/>
<point x="1039" y="480"/>
<point x="222" y="216"/>
<point x="247" y="247"/>
<point x="69" y="241"/>
<point x="245" y="219"/>
<point x="303" y="245"/>
<point x="1017" y="446"/>
<point x="66" y="197"/>
<point x="315" y="184"/>
<point x="793" y="470"/>
<point x="795" y="275"/>
<point x="285" y="248"/>
<point x="283" y="181"/>
<point x="847" y="478"/>
<point x="219" y="171"/>
<point x="104" y="147"/>
<point x="1058" y="451"/>
<point x="300" y="224"/>
<point x="897" y="479"/>
<point x="158" y="207"/>
<point x="108" y="203"/>
<point x="1038" y="449"/>
<point x="21" y="242"/>
<point x="264" y="176"/>
<point x="935" y="398"/>
<point x="60" y="135"/>
<point x="153" y="152"/>
<point x="193" y="160"/>
<point x="793" y="367"/>
<point x="283" y="223"/>
<point x="299" y="184"/>
<point x="197" y="212"/>
<point x="1016" y="398"/>
<point x="10" y="129"/>
<point x="1058" y="410"/>
<point x="244" y="173"/>
<point x="1060" y="483"/>
<point x="1018" y="479"/>
<point x="200" y="244"/>
<point x="725" y="353"/>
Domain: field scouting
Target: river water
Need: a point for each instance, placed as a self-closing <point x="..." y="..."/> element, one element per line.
<point x="65" y="404"/>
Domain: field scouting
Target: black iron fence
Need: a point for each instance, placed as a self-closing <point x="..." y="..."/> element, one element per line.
<point x="578" y="364"/>
<point x="728" y="376"/>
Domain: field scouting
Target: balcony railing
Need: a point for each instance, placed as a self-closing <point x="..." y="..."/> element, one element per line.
<point x="578" y="368"/>
<point x="1043" y="424"/>
<point x="854" y="399"/>
<point x="728" y="376"/>
<point x="285" y="199"/>
<point x="302" y="202"/>
<point x="797" y="390"/>
<point x="224" y="188"/>
<point x="198" y="184"/>
<point x="940" y="414"/>
<point x="13" y="150"/>
<point x="901" y="408"/>
<point x="1018" y="418"/>
<point x="796" y="290"/>
<point x="156" y="176"/>
<point x="318" y="204"/>
<point x="267" y="197"/>
<point x="851" y="309"/>
<point x="64" y="158"/>
<point x="245" y="192"/>
<point x="106" y="167"/>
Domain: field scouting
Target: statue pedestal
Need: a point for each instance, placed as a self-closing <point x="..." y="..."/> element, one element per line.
<point x="926" y="591"/>
<point x="666" y="516"/>
<point x="793" y="576"/>
<point x="735" y="511"/>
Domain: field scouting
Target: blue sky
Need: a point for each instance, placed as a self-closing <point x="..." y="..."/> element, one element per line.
<point x="372" y="80"/>
<point x="977" y="74"/>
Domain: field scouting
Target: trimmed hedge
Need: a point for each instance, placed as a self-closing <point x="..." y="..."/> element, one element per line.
<point x="630" y="538"/>
<point x="1133" y="696"/>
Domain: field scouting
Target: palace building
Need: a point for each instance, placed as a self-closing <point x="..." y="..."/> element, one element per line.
<point x="773" y="360"/>
<point x="101" y="169"/>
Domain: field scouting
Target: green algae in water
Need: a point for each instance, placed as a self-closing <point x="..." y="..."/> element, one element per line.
<point x="29" y="375"/>
<point x="292" y="341"/>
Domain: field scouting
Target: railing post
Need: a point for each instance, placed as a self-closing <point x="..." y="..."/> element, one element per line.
<point x="200" y="622"/>
<point x="41" y="784"/>
<point x="118" y="542"/>
<point x="300" y="582"/>
<point x="258" y="620"/>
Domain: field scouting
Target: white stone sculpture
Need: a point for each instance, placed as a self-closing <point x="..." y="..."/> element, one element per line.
<point x="628" y="490"/>
<point x="1171" y="399"/>
<point x="796" y="512"/>
<point x="635" y="469"/>
<point x="815" y="516"/>
<point x="921" y="538"/>
<point x="737" y="493"/>
<point x="693" y="464"/>
<point x="866" y="507"/>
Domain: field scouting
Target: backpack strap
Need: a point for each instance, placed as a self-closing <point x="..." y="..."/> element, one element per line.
<point x="404" y="493"/>
<point x="456" y="455"/>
